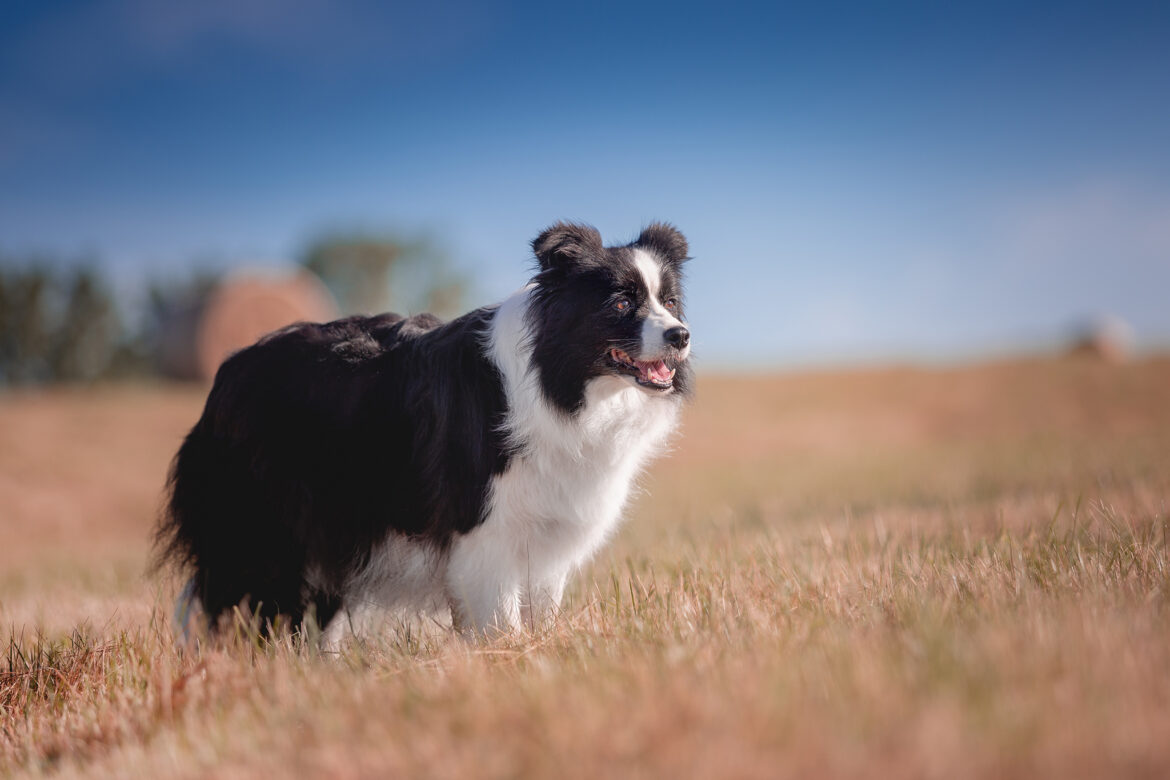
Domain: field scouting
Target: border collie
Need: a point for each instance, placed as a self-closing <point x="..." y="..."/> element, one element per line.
<point x="375" y="465"/>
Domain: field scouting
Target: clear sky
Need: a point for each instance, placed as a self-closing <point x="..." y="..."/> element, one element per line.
<point x="858" y="180"/>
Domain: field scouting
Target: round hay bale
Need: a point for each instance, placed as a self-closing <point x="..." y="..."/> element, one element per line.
<point x="248" y="304"/>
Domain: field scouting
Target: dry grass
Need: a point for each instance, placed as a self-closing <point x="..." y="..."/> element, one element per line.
<point x="944" y="573"/>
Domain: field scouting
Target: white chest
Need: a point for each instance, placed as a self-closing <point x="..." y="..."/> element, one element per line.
<point x="564" y="493"/>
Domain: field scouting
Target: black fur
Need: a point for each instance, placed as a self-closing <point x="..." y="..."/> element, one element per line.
<point x="664" y="241"/>
<point x="313" y="443"/>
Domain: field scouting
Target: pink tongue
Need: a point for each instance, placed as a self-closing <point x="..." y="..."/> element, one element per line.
<point x="656" y="371"/>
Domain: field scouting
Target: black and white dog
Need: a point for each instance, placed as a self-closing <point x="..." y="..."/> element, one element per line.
<point x="378" y="464"/>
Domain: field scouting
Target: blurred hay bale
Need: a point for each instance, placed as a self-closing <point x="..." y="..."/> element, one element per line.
<point x="1105" y="338"/>
<point x="239" y="309"/>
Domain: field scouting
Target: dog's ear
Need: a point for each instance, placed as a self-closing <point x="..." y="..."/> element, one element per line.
<point x="567" y="245"/>
<point x="665" y="241"/>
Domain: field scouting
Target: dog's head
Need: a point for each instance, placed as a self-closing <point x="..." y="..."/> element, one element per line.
<point x="610" y="312"/>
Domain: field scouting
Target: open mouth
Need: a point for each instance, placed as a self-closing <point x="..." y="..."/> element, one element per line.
<point x="654" y="374"/>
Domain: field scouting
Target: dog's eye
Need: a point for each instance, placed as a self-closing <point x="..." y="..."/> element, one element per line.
<point x="671" y="303"/>
<point x="621" y="304"/>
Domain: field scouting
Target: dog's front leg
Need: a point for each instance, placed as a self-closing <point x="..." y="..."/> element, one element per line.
<point x="541" y="598"/>
<point x="485" y="618"/>
<point x="483" y="582"/>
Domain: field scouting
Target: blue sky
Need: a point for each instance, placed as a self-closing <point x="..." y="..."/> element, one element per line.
<point x="859" y="181"/>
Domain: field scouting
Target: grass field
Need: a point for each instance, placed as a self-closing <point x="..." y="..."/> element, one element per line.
<point x="954" y="573"/>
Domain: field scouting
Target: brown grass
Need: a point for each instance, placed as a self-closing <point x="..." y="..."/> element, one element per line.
<point x="947" y="573"/>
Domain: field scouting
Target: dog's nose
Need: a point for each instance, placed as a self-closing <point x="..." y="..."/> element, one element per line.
<point x="678" y="337"/>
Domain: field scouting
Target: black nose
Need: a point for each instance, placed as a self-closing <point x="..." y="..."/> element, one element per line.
<point x="678" y="337"/>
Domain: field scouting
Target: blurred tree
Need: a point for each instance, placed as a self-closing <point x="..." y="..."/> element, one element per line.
<point x="88" y="331"/>
<point x="25" y="329"/>
<point x="355" y="269"/>
<point x="375" y="273"/>
<point x="56" y="325"/>
<point x="164" y="296"/>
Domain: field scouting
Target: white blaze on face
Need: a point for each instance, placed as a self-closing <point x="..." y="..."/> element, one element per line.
<point x="659" y="320"/>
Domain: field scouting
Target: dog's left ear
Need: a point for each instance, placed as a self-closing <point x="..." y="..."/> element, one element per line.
<point x="665" y="241"/>
<point x="567" y="245"/>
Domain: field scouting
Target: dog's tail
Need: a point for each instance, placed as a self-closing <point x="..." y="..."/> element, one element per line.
<point x="183" y="518"/>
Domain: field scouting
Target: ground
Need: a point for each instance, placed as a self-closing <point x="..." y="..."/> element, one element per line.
<point x="954" y="572"/>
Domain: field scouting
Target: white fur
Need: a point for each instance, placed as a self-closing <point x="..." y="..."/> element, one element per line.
<point x="660" y="320"/>
<point x="403" y="579"/>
